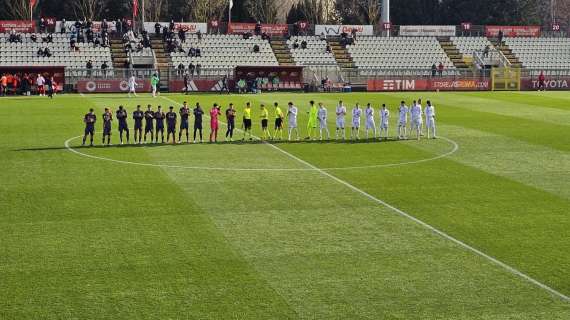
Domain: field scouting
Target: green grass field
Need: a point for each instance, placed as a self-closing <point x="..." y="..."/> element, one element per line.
<point x="289" y="230"/>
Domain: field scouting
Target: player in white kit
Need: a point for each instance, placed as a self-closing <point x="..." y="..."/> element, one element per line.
<point x="403" y="120"/>
<point x="355" y="130"/>
<point x="430" y="119"/>
<point x="384" y="121"/>
<point x="422" y="122"/>
<point x="322" y="117"/>
<point x="416" y="113"/>
<point x="370" y="124"/>
<point x="292" y="116"/>
<point x="340" y="123"/>
<point x="132" y="86"/>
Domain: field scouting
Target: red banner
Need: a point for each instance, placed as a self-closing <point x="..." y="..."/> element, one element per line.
<point x="513" y="31"/>
<point x="271" y="29"/>
<point x="97" y="86"/>
<point x="18" y="25"/>
<point x="550" y="84"/>
<point x="442" y="84"/>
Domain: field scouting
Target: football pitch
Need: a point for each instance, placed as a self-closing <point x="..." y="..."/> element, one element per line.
<point x="473" y="225"/>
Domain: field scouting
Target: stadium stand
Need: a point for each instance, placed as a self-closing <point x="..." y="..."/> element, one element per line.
<point x="25" y="53"/>
<point x="468" y="45"/>
<point x="541" y="53"/>
<point x="380" y="54"/>
<point x="219" y="51"/>
<point x="314" y="54"/>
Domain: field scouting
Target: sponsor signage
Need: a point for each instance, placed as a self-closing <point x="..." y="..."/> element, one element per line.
<point x="554" y="84"/>
<point x="427" y="31"/>
<point x="18" y="25"/>
<point x="96" y="86"/>
<point x="69" y="25"/>
<point x="513" y="31"/>
<point x="337" y="30"/>
<point x="197" y="85"/>
<point x="442" y="84"/>
<point x="271" y="29"/>
<point x="190" y="27"/>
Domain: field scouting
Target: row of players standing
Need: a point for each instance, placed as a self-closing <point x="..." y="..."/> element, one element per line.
<point x="317" y="117"/>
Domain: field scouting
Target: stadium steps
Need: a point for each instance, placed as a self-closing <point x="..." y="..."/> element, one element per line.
<point x="341" y="55"/>
<point x="118" y="54"/>
<point x="163" y="61"/>
<point x="281" y="51"/>
<point x="452" y="52"/>
<point x="507" y="52"/>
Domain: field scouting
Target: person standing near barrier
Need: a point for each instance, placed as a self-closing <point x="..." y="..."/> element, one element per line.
<point x="154" y="82"/>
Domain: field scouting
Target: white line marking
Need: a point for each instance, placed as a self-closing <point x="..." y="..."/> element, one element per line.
<point x="429" y="227"/>
<point x="387" y="165"/>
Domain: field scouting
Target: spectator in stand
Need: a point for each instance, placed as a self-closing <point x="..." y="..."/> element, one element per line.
<point x="323" y="37"/>
<point x="88" y="24"/>
<point x="353" y="33"/>
<point x="256" y="48"/>
<point x="328" y="49"/>
<point x="62" y="27"/>
<point x="43" y="25"/>
<point x="78" y="25"/>
<point x="14" y="37"/>
<point x="171" y="26"/>
<point x="486" y="51"/>
<point x="104" y="39"/>
<point x="191" y="52"/>
<point x="296" y="44"/>
<point x="89" y="35"/>
<point x="89" y="67"/>
<point x="198" y="52"/>
<point x="40" y="52"/>
<point x="72" y="45"/>
<point x="303" y="44"/>
<point x="3" y="84"/>
<point x="198" y="69"/>
<point x="258" y="28"/>
<point x="157" y="29"/>
<point x="47" y="52"/>
<point x="119" y="26"/>
<point x="500" y="37"/>
<point x="180" y="69"/>
<point x="34" y="38"/>
<point x="440" y="69"/>
<point x="164" y="33"/>
<point x="433" y="70"/>
<point x="182" y="35"/>
<point x="104" y="68"/>
<point x="199" y="35"/>
<point x="96" y="42"/>
<point x="191" y="68"/>
<point x="104" y="26"/>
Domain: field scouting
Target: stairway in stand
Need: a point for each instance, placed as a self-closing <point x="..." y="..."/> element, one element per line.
<point x="507" y="52"/>
<point x="341" y="55"/>
<point x="163" y="61"/>
<point x="453" y="53"/>
<point x="118" y="53"/>
<point x="281" y="51"/>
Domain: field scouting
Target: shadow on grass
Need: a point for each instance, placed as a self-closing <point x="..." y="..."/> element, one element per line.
<point x="236" y="142"/>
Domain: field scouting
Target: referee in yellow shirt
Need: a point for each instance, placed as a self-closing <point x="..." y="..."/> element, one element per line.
<point x="278" y="122"/>
<point x="264" y="117"/>
<point x="247" y="121"/>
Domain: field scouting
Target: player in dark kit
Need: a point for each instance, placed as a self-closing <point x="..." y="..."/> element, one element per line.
<point x="184" y="115"/>
<point x="89" y="120"/>
<point x="231" y="119"/>
<point x="138" y="116"/>
<point x="159" y="116"/>
<point x="198" y="112"/>
<point x="171" y="125"/>
<point x="123" y="126"/>
<point x="149" y="117"/>
<point x="107" y="118"/>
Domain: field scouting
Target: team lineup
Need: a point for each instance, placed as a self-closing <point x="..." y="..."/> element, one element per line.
<point x="317" y="126"/>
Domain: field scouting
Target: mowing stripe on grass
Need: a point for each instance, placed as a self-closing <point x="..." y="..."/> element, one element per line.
<point x="433" y="229"/>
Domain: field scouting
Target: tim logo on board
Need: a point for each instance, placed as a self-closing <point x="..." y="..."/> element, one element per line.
<point x="399" y="85"/>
